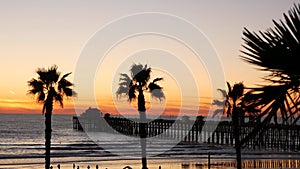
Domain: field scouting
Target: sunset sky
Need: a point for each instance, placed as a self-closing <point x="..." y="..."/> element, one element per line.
<point x="36" y="34"/>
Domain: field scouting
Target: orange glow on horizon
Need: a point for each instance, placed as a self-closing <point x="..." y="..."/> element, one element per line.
<point x="169" y="108"/>
<point x="10" y="106"/>
<point x="172" y="108"/>
<point x="169" y="111"/>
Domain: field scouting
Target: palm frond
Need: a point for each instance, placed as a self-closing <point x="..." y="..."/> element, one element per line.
<point x="267" y="98"/>
<point x="48" y="87"/>
<point x="126" y="87"/>
<point x="138" y="82"/>
<point x="69" y="92"/>
<point x="124" y="77"/>
<point x="229" y="99"/>
<point x="223" y="92"/>
<point x="136" y="69"/>
<point x="63" y="83"/>
<point x="41" y="96"/>
<point x="36" y="86"/>
<point x="48" y="76"/>
<point x="229" y="89"/>
<point x="140" y="73"/>
<point x="237" y="91"/>
<point x="66" y="75"/>
<point x="131" y="93"/>
<point x="122" y="90"/>
<point x="156" y="90"/>
<point x="218" y="102"/>
<point x="59" y="98"/>
<point x="157" y="79"/>
<point x="158" y="93"/>
<point x="276" y="50"/>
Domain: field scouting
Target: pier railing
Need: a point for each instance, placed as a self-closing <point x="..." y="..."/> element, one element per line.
<point x="283" y="138"/>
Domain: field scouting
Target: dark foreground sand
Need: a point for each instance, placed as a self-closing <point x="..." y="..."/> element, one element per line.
<point x="170" y="164"/>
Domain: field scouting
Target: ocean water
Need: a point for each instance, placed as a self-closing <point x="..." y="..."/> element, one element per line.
<point x="22" y="144"/>
<point x="22" y="138"/>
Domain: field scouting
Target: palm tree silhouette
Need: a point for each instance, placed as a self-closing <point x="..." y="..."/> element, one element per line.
<point x="136" y="84"/>
<point x="49" y="87"/>
<point x="277" y="52"/>
<point x="233" y="108"/>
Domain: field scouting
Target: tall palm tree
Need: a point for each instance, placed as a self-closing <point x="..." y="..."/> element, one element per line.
<point x="232" y="108"/>
<point x="277" y="52"/>
<point x="47" y="88"/>
<point x="136" y="84"/>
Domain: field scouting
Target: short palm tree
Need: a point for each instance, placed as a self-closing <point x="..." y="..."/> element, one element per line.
<point x="277" y="52"/>
<point x="232" y="108"/>
<point x="134" y="85"/>
<point x="47" y="88"/>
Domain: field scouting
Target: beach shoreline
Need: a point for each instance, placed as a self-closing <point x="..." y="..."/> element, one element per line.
<point x="166" y="163"/>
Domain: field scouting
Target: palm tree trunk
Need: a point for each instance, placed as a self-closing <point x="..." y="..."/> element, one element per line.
<point x="143" y="133"/>
<point x="236" y="130"/>
<point x="238" y="156"/>
<point x="48" y="129"/>
<point x="143" y="136"/>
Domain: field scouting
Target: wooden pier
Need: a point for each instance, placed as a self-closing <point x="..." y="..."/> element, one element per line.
<point x="280" y="138"/>
<point x="248" y="164"/>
